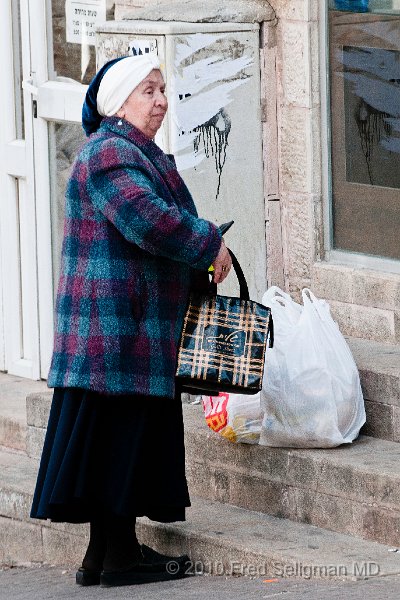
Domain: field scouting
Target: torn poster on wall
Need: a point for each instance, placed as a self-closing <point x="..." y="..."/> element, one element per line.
<point x="208" y="68"/>
<point x="139" y="47"/>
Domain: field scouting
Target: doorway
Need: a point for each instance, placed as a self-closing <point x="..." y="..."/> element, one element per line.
<point x="40" y="113"/>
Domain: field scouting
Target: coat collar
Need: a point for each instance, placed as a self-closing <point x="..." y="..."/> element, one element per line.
<point x="125" y="129"/>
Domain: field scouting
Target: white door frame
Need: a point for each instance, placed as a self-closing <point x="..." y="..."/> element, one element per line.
<point x="38" y="48"/>
<point x="56" y="101"/>
<point x="2" y="347"/>
<point x="18" y="232"/>
<point x="26" y="269"/>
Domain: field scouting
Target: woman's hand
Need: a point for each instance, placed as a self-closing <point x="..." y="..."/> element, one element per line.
<point x="222" y="264"/>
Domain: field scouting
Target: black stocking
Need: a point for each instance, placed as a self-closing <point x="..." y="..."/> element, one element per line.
<point x="123" y="548"/>
<point x="96" y="550"/>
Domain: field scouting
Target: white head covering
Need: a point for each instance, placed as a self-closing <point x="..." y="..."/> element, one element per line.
<point x="121" y="79"/>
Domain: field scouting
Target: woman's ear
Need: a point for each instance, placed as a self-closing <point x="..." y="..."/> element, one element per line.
<point x="121" y="112"/>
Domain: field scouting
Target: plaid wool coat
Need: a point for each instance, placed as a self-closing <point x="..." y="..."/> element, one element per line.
<point x="132" y="240"/>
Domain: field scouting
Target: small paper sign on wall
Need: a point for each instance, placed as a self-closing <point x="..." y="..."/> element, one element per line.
<point x="81" y="18"/>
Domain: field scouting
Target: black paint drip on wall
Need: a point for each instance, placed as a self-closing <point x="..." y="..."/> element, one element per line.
<point x="213" y="135"/>
<point x="372" y="126"/>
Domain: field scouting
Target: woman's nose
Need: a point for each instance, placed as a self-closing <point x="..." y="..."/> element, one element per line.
<point x="162" y="99"/>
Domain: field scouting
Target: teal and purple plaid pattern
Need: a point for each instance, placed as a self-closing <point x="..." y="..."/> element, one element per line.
<point x="132" y="243"/>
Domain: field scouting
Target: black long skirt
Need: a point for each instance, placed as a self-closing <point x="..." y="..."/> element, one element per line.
<point x="119" y="454"/>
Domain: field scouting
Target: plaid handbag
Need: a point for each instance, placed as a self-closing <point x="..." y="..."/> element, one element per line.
<point x="223" y="342"/>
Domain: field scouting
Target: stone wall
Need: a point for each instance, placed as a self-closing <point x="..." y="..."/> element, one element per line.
<point x="299" y="155"/>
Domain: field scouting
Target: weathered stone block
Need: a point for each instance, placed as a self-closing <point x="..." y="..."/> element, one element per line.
<point x="297" y="219"/>
<point x="380" y="387"/>
<point x="396" y="423"/>
<point x="267" y="496"/>
<point x="331" y="282"/>
<point x="14" y="551"/>
<point x="268" y="60"/>
<point x="38" y="408"/>
<point x="275" y="263"/>
<point x="254" y="490"/>
<point x="364" y="322"/>
<point x="326" y="511"/>
<point x="362" y="483"/>
<point x="379" y="368"/>
<point x="359" y="287"/>
<point x="315" y="54"/>
<point x="314" y="9"/>
<point x="397" y="297"/>
<point x="34" y="441"/>
<point x="14" y="504"/>
<point x="211" y="11"/>
<point x="296" y="10"/>
<point x="296" y="77"/>
<point x="380" y="420"/>
<point x="221" y="452"/>
<point x="397" y="325"/>
<point x="373" y="289"/>
<point x="13" y="392"/>
<point x="63" y="548"/>
<point x="315" y="150"/>
<point x="12" y="433"/>
<point x="295" y="146"/>
<point x="17" y="481"/>
<point x="302" y="472"/>
<point x="380" y="525"/>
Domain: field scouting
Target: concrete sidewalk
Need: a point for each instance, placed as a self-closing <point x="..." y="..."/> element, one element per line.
<point x="51" y="583"/>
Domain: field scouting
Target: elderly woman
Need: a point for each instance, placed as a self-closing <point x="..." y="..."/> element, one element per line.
<point x="133" y="248"/>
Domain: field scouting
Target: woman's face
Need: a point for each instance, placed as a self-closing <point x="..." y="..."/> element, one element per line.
<point x="145" y="108"/>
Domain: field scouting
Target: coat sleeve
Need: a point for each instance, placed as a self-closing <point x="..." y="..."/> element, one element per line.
<point x="126" y="197"/>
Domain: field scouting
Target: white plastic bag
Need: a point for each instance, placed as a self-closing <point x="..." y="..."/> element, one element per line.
<point x="235" y="416"/>
<point x="311" y="394"/>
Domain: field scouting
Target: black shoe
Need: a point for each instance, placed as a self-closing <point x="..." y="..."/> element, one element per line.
<point x="87" y="577"/>
<point x="152" y="567"/>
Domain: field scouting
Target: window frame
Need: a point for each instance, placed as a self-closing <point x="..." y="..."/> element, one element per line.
<point x="332" y="255"/>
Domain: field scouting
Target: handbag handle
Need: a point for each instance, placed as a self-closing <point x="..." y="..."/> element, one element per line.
<point x="244" y="290"/>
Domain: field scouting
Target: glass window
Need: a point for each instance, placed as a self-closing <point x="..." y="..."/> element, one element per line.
<point x="17" y="64"/>
<point x="365" y="126"/>
<point x="380" y="6"/>
<point x="65" y="140"/>
<point x="71" y="57"/>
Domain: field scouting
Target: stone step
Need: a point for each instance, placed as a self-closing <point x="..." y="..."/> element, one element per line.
<point x="13" y="421"/>
<point x="37" y="415"/>
<point x="353" y="489"/>
<point x="219" y="538"/>
<point x="379" y="367"/>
